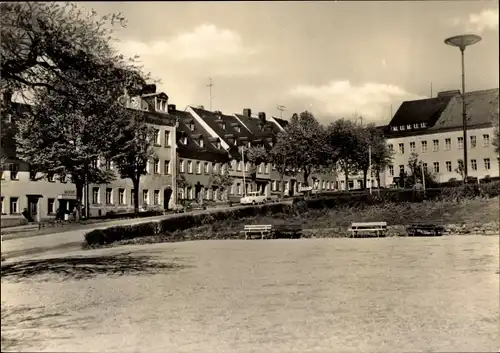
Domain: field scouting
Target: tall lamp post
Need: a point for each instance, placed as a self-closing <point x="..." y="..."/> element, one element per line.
<point x="462" y="42"/>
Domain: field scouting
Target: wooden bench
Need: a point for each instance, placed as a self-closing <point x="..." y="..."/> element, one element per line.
<point x="292" y="230"/>
<point x="425" y="228"/>
<point x="262" y="229"/>
<point x="379" y="228"/>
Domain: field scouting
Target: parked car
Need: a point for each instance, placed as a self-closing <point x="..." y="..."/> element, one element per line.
<point x="273" y="198"/>
<point x="253" y="198"/>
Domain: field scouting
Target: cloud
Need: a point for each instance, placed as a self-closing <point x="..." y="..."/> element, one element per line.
<point x="478" y="22"/>
<point x="342" y="99"/>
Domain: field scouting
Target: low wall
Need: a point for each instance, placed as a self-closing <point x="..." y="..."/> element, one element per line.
<point x="12" y="221"/>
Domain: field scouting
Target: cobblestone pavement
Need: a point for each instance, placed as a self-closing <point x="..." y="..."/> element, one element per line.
<point x="314" y="295"/>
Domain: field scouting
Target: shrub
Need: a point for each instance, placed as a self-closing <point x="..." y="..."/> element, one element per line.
<point x="491" y="189"/>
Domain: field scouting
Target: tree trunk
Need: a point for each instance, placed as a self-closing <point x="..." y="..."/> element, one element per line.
<point x="135" y="183"/>
<point x="79" y="196"/>
<point x="306" y="177"/>
<point x="365" y="177"/>
<point x="378" y="180"/>
<point x="346" y="177"/>
<point x="282" y="183"/>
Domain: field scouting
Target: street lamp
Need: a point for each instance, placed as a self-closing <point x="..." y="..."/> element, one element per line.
<point x="462" y="42"/>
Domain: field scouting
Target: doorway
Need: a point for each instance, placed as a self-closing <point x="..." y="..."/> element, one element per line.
<point x="167" y="194"/>
<point x="32" y="208"/>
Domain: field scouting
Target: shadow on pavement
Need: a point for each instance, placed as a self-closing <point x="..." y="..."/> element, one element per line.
<point x="66" y="268"/>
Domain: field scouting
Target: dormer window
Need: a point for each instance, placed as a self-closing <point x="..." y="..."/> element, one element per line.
<point x="184" y="140"/>
<point x="219" y="117"/>
<point x="408" y="127"/>
<point x="237" y="128"/>
<point x="191" y="126"/>
<point x="161" y="105"/>
<point x="423" y="124"/>
<point x="415" y="126"/>
<point x="218" y="144"/>
<point x="271" y="143"/>
<point x="249" y="144"/>
<point x="223" y="126"/>
<point x="201" y="142"/>
<point x="402" y="128"/>
<point x="235" y="142"/>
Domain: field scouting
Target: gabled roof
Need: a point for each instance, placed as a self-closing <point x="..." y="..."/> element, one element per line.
<point x="255" y="125"/>
<point x="420" y="111"/>
<point x="445" y="112"/>
<point x="192" y="149"/>
<point x="213" y="120"/>
<point x="480" y="108"/>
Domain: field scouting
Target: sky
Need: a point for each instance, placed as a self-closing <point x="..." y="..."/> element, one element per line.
<point x="335" y="59"/>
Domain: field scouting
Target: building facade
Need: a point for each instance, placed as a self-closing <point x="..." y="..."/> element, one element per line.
<point x="432" y="128"/>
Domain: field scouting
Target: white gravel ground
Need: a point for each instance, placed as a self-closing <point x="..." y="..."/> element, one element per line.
<point x="325" y="295"/>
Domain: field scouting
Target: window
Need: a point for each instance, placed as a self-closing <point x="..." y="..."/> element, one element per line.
<point x="214" y="167"/>
<point x="109" y="196"/>
<point x="190" y="193"/>
<point x="424" y="146"/>
<point x="412" y="147"/>
<point x="486" y="140"/>
<point x="14" y="171"/>
<point x="402" y="128"/>
<point x="191" y="126"/>
<point x="435" y="145"/>
<point x="198" y="167"/>
<point x="156" y="197"/>
<point x="107" y="164"/>
<point x="401" y="148"/>
<point x="14" y="205"/>
<point x="260" y="168"/>
<point x="231" y="190"/>
<point x="132" y="197"/>
<point x="148" y="167"/>
<point x="448" y="166"/>
<point x="473" y="164"/>
<point x="391" y="147"/>
<point x="401" y="169"/>
<point x="184" y="140"/>
<point x="181" y="166"/>
<point x="487" y="164"/>
<point x="447" y="144"/>
<point x="156" y="166"/>
<point x="408" y="127"/>
<point x="156" y="137"/>
<point x="207" y="194"/>
<point x="395" y="128"/>
<point x="95" y="195"/>
<point x="166" y="167"/>
<point x="167" y="138"/>
<point x="238" y="166"/>
<point x="436" y="167"/>
<point x="237" y="128"/>
<point x="223" y="126"/>
<point x="50" y="206"/>
<point x="460" y="141"/>
<point x="235" y="142"/>
<point x="205" y="168"/>
<point x="267" y="168"/>
<point x="201" y="143"/>
<point x="238" y="188"/>
<point x="473" y="142"/>
<point x="425" y="166"/>
<point x="190" y="166"/>
<point x="391" y="170"/>
<point x="218" y="145"/>
<point x="145" y="196"/>
<point x="415" y="126"/>
<point x="423" y="124"/>
<point x="121" y="196"/>
<point x="460" y="164"/>
<point x="247" y="166"/>
<point x="94" y="163"/>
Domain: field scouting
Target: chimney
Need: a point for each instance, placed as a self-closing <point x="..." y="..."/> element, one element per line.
<point x="262" y="118"/>
<point x="247" y="112"/>
<point x="448" y="93"/>
<point x="171" y="108"/>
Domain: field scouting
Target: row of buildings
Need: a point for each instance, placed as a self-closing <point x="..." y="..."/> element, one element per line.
<point x="194" y="144"/>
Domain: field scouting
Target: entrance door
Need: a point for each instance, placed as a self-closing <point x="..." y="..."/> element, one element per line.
<point x="167" y="193"/>
<point x="32" y="208"/>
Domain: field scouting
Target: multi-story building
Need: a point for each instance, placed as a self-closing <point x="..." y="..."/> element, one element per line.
<point x="432" y="128"/>
<point x="199" y="156"/>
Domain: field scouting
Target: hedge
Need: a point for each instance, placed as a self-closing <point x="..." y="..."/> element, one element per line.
<point x="299" y="205"/>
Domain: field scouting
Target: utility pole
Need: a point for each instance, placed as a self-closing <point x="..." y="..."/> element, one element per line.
<point x="370" y="166"/>
<point x="281" y="108"/>
<point x="361" y="119"/>
<point x="210" y="85"/>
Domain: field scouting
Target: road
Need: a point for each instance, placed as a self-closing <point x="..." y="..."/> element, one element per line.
<point x="16" y="245"/>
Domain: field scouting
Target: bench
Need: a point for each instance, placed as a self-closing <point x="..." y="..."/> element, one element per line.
<point x="425" y="228"/>
<point x="378" y="228"/>
<point x="293" y="230"/>
<point x="262" y="229"/>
